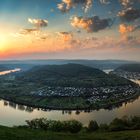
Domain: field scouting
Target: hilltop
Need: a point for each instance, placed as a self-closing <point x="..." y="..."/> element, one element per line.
<point x="74" y="75"/>
<point x="100" y="64"/>
<point x="67" y="86"/>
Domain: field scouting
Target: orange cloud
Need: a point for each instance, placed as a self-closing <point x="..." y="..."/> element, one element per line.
<point x="65" y="36"/>
<point x="124" y="29"/>
<point x="91" y="24"/>
<point x="67" y="5"/>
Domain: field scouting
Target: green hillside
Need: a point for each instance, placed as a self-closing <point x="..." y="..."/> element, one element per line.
<point x="74" y="75"/>
<point x="129" y="68"/>
<point x="2" y="68"/>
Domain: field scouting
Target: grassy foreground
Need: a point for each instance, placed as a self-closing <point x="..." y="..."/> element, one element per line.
<point x="7" y="133"/>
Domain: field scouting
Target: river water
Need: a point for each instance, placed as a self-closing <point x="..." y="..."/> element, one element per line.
<point x="12" y="114"/>
<point x="9" y="71"/>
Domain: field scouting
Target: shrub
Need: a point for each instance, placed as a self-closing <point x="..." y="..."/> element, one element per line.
<point x="104" y="127"/>
<point x="72" y="126"/>
<point x="125" y="123"/>
<point x="93" y="126"/>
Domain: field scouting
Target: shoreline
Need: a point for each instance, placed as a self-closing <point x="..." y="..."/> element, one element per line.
<point x="103" y="106"/>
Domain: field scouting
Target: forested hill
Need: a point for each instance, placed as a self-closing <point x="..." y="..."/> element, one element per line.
<point x="71" y="75"/>
<point x="2" y="68"/>
<point x="99" y="64"/>
<point x="129" y="68"/>
<point x="66" y="70"/>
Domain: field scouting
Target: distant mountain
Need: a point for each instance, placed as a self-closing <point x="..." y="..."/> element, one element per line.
<point x="2" y="68"/>
<point x="74" y="75"/>
<point x="129" y="68"/>
<point x="100" y="64"/>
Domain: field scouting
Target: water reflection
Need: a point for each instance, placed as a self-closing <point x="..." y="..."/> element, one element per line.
<point x="5" y="103"/>
<point x="19" y="107"/>
<point x="13" y="114"/>
<point x="10" y="71"/>
<point x="13" y="105"/>
<point x="107" y="71"/>
<point x="64" y="112"/>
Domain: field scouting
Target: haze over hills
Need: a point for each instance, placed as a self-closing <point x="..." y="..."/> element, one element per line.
<point x="100" y="64"/>
<point x="3" y="68"/>
<point x="129" y="68"/>
<point x="71" y="75"/>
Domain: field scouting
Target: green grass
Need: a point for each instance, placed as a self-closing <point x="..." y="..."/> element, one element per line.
<point x="7" y="133"/>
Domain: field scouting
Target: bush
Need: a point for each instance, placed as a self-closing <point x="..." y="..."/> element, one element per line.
<point x="56" y="126"/>
<point x="38" y="123"/>
<point x="117" y="125"/>
<point x="135" y="122"/>
<point x="125" y="123"/>
<point x="104" y="127"/>
<point x="72" y="126"/>
<point x="93" y="126"/>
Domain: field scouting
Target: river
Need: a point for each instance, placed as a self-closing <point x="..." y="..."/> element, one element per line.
<point x="12" y="114"/>
<point x="9" y="71"/>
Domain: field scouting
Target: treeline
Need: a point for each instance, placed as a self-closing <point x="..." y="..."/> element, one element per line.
<point x="73" y="126"/>
<point x="129" y="67"/>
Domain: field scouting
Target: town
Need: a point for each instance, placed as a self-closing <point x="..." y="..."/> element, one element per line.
<point x="128" y="75"/>
<point x="91" y="94"/>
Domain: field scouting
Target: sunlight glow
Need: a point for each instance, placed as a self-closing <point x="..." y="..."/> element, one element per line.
<point x="2" y="42"/>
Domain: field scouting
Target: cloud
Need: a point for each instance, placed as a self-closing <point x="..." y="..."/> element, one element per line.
<point x="24" y="32"/>
<point x="129" y="41"/>
<point x="33" y="35"/>
<point x="124" y="29"/>
<point x="107" y="43"/>
<point x="42" y="36"/>
<point x="27" y="31"/>
<point x="65" y="36"/>
<point x="62" y="7"/>
<point x="105" y="1"/>
<point x="129" y="14"/>
<point x="129" y="38"/>
<point x="38" y="22"/>
<point x="91" y="24"/>
<point x="67" y="5"/>
<point x="128" y="3"/>
<point x="89" y="46"/>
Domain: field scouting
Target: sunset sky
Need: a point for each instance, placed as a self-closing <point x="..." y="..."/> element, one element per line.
<point x="70" y="29"/>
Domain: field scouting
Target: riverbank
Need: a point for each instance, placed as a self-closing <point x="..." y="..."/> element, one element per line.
<point x="7" y="133"/>
<point x="64" y="103"/>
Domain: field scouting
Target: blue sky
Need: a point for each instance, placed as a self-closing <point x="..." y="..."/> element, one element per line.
<point x="17" y="11"/>
<point x="71" y="34"/>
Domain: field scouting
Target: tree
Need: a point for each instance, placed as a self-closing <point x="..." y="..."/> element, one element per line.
<point x="117" y="125"/>
<point x="72" y="126"/>
<point x="93" y="126"/>
<point x="104" y="127"/>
